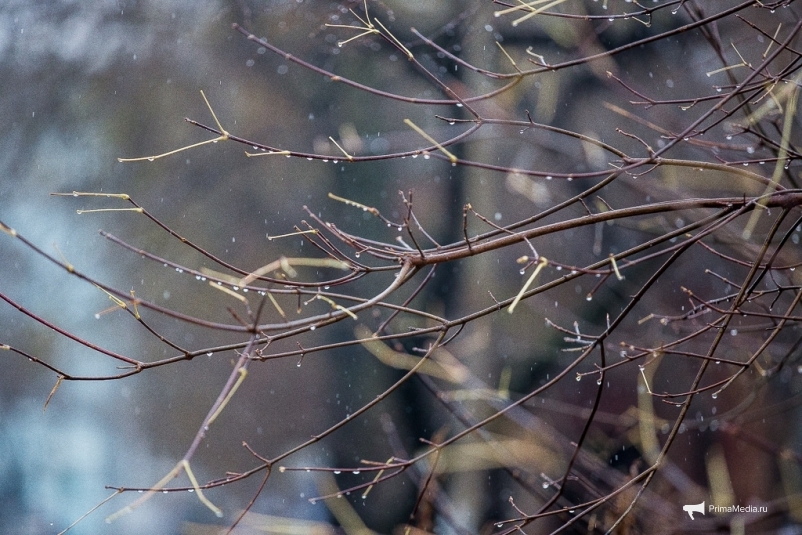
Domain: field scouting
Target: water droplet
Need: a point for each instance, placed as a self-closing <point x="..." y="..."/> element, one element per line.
<point x="714" y="395"/>
<point x="151" y="159"/>
<point x="337" y="472"/>
<point x="97" y="316"/>
<point x="209" y="353"/>
<point x="355" y="472"/>
<point x="578" y="378"/>
<point x="356" y="254"/>
<point x="312" y="328"/>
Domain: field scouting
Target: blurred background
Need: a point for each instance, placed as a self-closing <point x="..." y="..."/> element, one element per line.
<point x="84" y="84"/>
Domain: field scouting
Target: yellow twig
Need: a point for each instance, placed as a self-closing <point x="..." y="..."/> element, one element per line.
<point x="243" y="372"/>
<point x="430" y="139"/>
<point x="350" y="158"/>
<point x="349" y="202"/>
<point x="222" y="137"/>
<point x="336" y="306"/>
<point x="270" y="153"/>
<point x="540" y="265"/>
<point x="53" y="391"/>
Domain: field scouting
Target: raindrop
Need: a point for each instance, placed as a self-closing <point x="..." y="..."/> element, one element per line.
<point x="336" y="472"/>
<point x="312" y="328"/>
<point x="209" y="353"/>
<point x="714" y="395"/>
<point x="355" y="472"/>
<point x="151" y="159"/>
